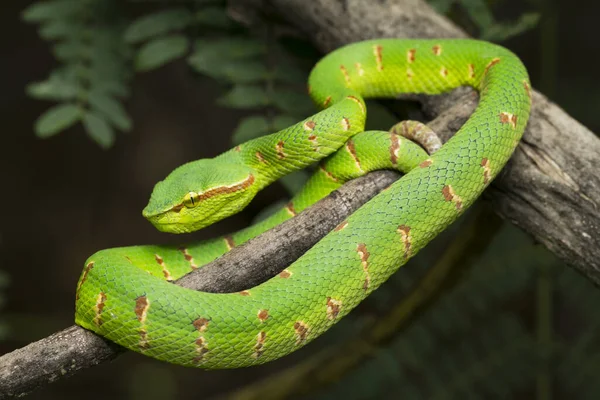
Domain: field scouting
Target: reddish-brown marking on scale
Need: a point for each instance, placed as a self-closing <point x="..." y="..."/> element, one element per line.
<point x="229" y="242"/>
<point x="141" y="308"/>
<point x="410" y="55"/>
<point x="346" y="75"/>
<point x="220" y="190"/>
<point x="333" y="308"/>
<point x="485" y="163"/>
<point x="100" y="303"/>
<point x="527" y="89"/>
<point x="143" y="343"/>
<point x="352" y="150"/>
<point x="341" y="226"/>
<point x="357" y="101"/>
<point x="177" y="208"/>
<point x="426" y="163"/>
<point x="188" y="257"/>
<point x="201" y="324"/>
<point x="86" y="271"/>
<point x="162" y="264"/>
<point x="378" y="53"/>
<point x="359" y="69"/>
<point x="309" y="125"/>
<point x="263" y="315"/>
<point x="406" y="238"/>
<point x="437" y="49"/>
<point x="279" y="149"/>
<point x="290" y="209"/>
<point x="471" y="71"/>
<point x="409" y="73"/>
<point x="327" y="101"/>
<point x="329" y="174"/>
<point x="301" y="332"/>
<point x="285" y="274"/>
<point x="364" y="254"/>
<point x="245" y="293"/>
<point x="449" y="195"/>
<point x="394" y="148"/>
<point x="201" y="349"/>
<point x="507" y="118"/>
<point x="238" y="148"/>
<point x="259" y="346"/>
<point x="345" y="123"/>
<point x="444" y="72"/>
<point x="260" y="157"/>
<point x="491" y="64"/>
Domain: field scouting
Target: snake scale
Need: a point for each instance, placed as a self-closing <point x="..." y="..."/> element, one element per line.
<point x="124" y="294"/>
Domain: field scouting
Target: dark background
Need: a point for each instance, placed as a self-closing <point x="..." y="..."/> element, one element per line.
<point x="65" y="198"/>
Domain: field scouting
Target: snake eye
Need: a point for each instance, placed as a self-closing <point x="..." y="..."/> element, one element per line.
<point x="190" y="200"/>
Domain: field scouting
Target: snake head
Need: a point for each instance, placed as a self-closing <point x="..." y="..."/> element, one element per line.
<point x="198" y="194"/>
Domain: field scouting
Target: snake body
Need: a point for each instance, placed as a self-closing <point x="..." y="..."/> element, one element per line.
<point x="124" y="294"/>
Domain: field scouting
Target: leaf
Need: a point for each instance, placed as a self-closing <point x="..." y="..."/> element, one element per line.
<point x="52" y="89"/>
<point x="214" y="17"/>
<point x="56" y="119"/>
<point x="244" y="96"/>
<point x="45" y="10"/>
<point x="71" y="50"/>
<point x="282" y="121"/>
<point x="207" y="54"/>
<point x="250" y="128"/>
<point x="501" y="32"/>
<point x="292" y="102"/>
<point x="160" y="51"/>
<point x="245" y="71"/>
<point x="57" y="29"/>
<point x="479" y="12"/>
<point x="290" y="74"/>
<point x="98" y="129"/>
<point x="156" y="24"/>
<point x="441" y="6"/>
<point x="111" y="109"/>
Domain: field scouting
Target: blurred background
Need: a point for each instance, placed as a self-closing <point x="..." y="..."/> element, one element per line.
<point x="482" y="313"/>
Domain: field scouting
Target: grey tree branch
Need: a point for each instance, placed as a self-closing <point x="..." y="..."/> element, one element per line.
<point x="549" y="188"/>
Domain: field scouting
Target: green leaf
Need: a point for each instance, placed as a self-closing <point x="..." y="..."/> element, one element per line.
<point x="501" y="32"/>
<point x="150" y="26"/>
<point x="290" y="74"/>
<point x="160" y="51"/>
<point x="98" y="129"/>
<point x="52" y="89"/>
<point x="250" y="128"/>
<point x="214" y="17"/>
<point x="71" y="50"/>
<point x="207" y="54"/>
<point x="292" y="102"/>
<point x="45" y="10"/>
<point x="57" y="30"/>
<point x="245" y="71"/>
<point x="56" y="119"/>
<point x="282" y="121"/>
<point x="479" y="12"/>
<point x="244" y="96"/>
<point x="441" y="6"/>
<point x="111" y="109"/>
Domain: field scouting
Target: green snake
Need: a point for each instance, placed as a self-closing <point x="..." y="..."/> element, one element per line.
<point x="124" y="294"/>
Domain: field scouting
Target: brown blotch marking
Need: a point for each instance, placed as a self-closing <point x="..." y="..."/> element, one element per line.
<point x="188" y="257"/>
<point x="301" y="329"/>
<point x="341" y="226"/>
<point x="263" y="315"/>
<point x="290" y="209"/>
<point x="508" y="118"/>
<point x="378" y="53"/>
<point x="249" y="181"/>
<point x="346" y="75"/>
<point x="345" y="123"/>
<point x="409" y="73"/>
<point x="285" y="274"/>
<point x="143" y="343"/>
<point x="309" y="125"/>
<point x="471" y="71"/>
<point x="410" y="55"/>
<point x="162" y="264"/>
<point x="141" y="308"/>
<point x="245" y="293"/>
<point x="279" y="149"/>
<point x="327" y="101"/>
<point x="437" y="49"/>
<point x="201" y="349"/>
<point x="100" y="303"/>
<point x="357" y="101"/>
<point x="485" y="164"/>
<point x="177" y="208"/>
<point x="201" y="324"/>
<point x="86" y="271"/>
<point x="359" y="69"/>
<point x="229" y="242"/>
<point x="352" y="150"/>
<point x="444" y="72"/>
<point x="259" y="346"/>
<point x="491" y="64"/>
<point x="329" y="174"/>
<point x="527" y="89"/>
<point x="364" y="255"/>
<point x="449" y="195"/>
<point x="260" y="157"/>
<point x="426" y="163"/>
<point x="406" y="238"/>
<point x="394" y="149"/>
<point x="333" y="308"/>
<point x="238" y="148"/>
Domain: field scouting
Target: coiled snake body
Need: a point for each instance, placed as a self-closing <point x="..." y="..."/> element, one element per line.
<point x="124" y="293"/>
